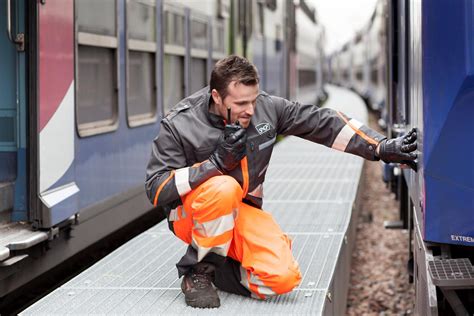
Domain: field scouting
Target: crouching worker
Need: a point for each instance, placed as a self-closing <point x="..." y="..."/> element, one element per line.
<point x="207" y="168"/>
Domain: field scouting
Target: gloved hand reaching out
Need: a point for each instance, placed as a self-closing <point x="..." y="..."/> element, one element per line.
<point x="231" y="148"/>
<point x="400" y="149"/>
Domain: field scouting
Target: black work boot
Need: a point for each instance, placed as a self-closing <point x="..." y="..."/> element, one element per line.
<point x="198" y="289"/>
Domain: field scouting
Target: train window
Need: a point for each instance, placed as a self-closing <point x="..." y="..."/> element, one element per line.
<point x="260" y="25"/>
<point x="271" y="4"/>
<point x="141" y="20"/>
<point x="223" y="8"/>
<point x="218" y="38"/>
<point x="198" y="73"/>
<point x="199" y="52"/>
<point x="384" y="75"/>
<point x="96" y="67"/>
<point x="374" y="72"/>
<point x="345" y="74"/>
<point x="174" y="28"/>
<point x="199" y="34"/>
<point x="278" y="37"/>
<point x="174" y="55"/>
<point x="141" y="92"/>
<point x="173" y="81"/>
<point x="96" y="98"/>
<point x="306" y="77"/>
<point x="141" y="65"/>
<point x="96" y="17"/>
<point x="244" y="18"/>
<point x="374" y="75"/>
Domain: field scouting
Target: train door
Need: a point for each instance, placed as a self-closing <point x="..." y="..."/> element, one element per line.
<point x="13" y="112"/>
<point x="55" y="174"/>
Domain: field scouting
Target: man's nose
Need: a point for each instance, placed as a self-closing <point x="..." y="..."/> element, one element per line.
<point x="250" y="109"/>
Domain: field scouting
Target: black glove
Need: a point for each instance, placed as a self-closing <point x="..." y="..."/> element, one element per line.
<point x="230" y="149"/>
<point x="400" y="149"/>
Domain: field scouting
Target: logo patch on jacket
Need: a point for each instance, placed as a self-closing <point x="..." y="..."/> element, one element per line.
<point x="262" y="128"/>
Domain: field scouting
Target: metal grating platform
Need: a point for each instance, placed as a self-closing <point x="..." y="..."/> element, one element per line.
<point x="309" y="189"/>
<point x="456" y="273"/>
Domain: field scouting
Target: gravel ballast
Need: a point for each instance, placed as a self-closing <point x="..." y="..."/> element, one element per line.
<point x="379" y="277"/>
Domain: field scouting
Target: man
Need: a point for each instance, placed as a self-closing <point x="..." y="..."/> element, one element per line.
<point x="207" y="168"/>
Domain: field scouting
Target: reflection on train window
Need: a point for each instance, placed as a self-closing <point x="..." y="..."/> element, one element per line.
<point x="96" y="67"/>
<point x="97" y="17"/>
<point x="173" y="81"/>
<point x="141" y="65"/>
<point x="198" y="74"/>
<point x="96" y="96"/>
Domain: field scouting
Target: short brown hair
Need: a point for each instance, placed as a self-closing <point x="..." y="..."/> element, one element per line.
<point x="232" y="68"/>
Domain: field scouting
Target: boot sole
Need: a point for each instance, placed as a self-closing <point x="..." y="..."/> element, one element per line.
<point x="203" y="302"/>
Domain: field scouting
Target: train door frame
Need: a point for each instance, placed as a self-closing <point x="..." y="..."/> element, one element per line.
<point x="34" y="203"/>
<point x="56" y="189"/>
<point x="398" y="92"/>
<point x="397" y="66"/>
<point x="399" y="81"/>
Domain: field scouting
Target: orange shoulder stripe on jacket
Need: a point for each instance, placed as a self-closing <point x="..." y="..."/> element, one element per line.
<point x="155" y="201"/>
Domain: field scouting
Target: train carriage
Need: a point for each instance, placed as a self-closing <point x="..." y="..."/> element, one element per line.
<point x="420" y="59"/>
<point x="377" y="56"/>
<point x="345" y="65"/>
<point x="83" y="88"/>
<point x="361" y="63"/>
<point x="430" y="69"/>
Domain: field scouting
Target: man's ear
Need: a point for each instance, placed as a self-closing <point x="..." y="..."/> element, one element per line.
<point x="216" y="97"/>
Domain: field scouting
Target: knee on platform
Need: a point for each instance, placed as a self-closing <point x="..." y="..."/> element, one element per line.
<point x="279" y="283"/>
<point x="288" y="281"/>
<point x="292" y="280"/>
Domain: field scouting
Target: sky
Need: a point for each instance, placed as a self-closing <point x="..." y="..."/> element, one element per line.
<point x="342" y="18"/>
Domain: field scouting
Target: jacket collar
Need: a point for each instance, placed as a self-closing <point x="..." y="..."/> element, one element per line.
<point x="215" y="120"/>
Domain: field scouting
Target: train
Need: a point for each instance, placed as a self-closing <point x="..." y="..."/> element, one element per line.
<point x="359" y="64"/>
<point x="84" y="86"/>
<point x="428" y="64"/>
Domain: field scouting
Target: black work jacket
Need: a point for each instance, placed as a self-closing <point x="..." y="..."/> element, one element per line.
<point x="189" y="133"/>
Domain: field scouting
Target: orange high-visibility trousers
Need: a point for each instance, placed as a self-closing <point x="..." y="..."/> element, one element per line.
<point x="213" y="219"/>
